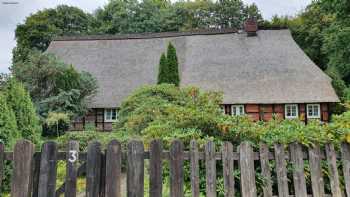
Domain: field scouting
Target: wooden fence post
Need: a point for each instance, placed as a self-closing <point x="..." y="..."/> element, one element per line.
<point x="296" y="153"/>
<point x="246" y="164"/>
<point x="113" y="169"/>
<point x="72" y="160"/>
<point x="227" y="164"/>
<point x="176" y="169"/>
<point x="48" y="165"/>
<point x="22" y="167"/>
<point x="194" y="159"/>
<point x="2" y="155"/>
<point x="36" y="174"/>
<point x="281" y="171"/>
<point x="345" y="155"/>
<point x="135" y="171"/>
<point x="317" y="182"/>
<point x="210" y="169"/>
<point x="93" y="169"/>
<point x="265" y="169"/>
<point x="333" y="171"/>
<point x="155" y="166"/>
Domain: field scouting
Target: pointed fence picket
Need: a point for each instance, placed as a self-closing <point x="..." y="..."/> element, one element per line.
<point x="34" y="173"/>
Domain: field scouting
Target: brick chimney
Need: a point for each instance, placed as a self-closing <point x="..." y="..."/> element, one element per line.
<point x="251" y="27"/>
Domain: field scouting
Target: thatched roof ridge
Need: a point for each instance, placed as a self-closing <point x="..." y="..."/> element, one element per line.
<point x="147" y="35"/>
<point x="267" y="68"/>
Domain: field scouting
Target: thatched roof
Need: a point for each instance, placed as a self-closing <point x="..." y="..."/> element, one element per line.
<point x="268" y="68"/>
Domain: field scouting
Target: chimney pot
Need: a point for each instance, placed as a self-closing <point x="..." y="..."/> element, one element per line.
<point x="251" y="27"/>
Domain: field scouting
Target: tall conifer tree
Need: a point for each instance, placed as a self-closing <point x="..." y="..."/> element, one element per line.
<point x="163" y="70"/>
<point x="173" y="66"/>
<point x="18" y="99"/>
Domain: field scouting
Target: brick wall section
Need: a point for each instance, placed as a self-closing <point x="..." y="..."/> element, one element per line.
<point x="95" y="117"/>
<point x="265" y="111"/>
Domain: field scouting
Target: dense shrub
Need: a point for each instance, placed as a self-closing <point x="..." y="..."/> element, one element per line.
<point x="8" y="127"/>
<point x="168" y="112"/>
<point x="18" y="99"/>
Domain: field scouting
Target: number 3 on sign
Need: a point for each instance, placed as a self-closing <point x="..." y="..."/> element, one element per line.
<point x="73" y="156"/>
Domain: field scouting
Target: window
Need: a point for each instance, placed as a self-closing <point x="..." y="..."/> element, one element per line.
<point x="222" y="109"/>
<point x="110" y="115"/>
<point x="313" y="110"/>
<point x="291" y="111"/>
<point x="237" y="110"/>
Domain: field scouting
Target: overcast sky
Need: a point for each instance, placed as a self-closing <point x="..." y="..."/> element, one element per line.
<point x="13" y="14"/>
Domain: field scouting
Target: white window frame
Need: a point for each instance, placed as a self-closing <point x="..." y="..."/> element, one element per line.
<point x="318" y="110"/>
<point x="296" y="111"/>
<point x="107" y="110"/>
<point x="237" y="107"/>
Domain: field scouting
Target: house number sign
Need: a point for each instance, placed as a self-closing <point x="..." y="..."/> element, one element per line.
<point x="73" y="156"/>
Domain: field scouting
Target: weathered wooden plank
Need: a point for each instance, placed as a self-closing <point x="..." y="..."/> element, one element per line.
<point x="81" y="172"/>
<point x="317" y="182"/>
<point x="194" y="159"/>
<point x="176" y="169"/>
<point x="228" y="166"/>
<point x="48" y="172"/>
<point x="210" y="169"/>
<point x="2" y="155"/>
<point x="246" y="164"/>
<point x="265" y="169"/>
<point x="113" y="169"/>
<point x="281" y="171"/>
<point x="135" y="169"/>
<point x="22" y="166"/>
<point x="345" y="152"/>
<point x="296" y="153"/>
<point x="93" y="169"/>
<point x="72" y="160"/>
<point x="333" y="172"/>
<point x="103" y="175"/>
<point x="155" y="165"/>
<point x="36" y="174"/>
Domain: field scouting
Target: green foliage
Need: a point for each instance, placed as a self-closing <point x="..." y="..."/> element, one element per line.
<point x="18" y="99"/>
<point x="8" y="127"/>
<point x="173" y="66"/>
<point x="163" y="69"/>
<point x="58" y="122"/>
<point x="169" y="67"/>
<point x="167" y="112"/>
<point x="40" y="28"/>
<point x="53" y="85"/>
<point x="160" y="16"/>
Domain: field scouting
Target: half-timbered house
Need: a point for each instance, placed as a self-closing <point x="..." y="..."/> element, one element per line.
<point x="260" y="72"/>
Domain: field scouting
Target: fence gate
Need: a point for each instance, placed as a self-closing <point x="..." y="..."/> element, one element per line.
<point x="35" y="173"/>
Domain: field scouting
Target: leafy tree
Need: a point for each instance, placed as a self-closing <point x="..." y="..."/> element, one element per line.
<point x="53" y="85"/>
<point x="229" y="13"/>
<point x="173" y="76"/>
<point x="160" y="15"/>
<point x="163" y="69"/>
<point x="40" y="28"/>
<point x="18" y="99"/>
<point x="58" y="121"/>
<point x="8" y="126"/>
